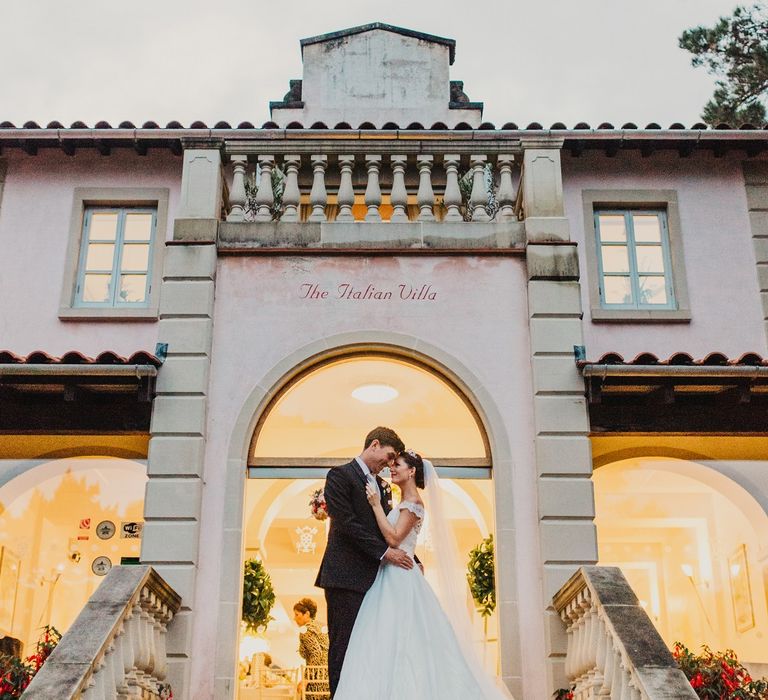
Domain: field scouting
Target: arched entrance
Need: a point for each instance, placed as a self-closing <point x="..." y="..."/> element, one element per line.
<point x="692" y="543"/>
<point x="61" y="529"/>
<point x="318" y="419"/>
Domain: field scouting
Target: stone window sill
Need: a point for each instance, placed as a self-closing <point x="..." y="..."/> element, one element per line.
<point x="601" y="315"/>
<point x="91" y="314"/>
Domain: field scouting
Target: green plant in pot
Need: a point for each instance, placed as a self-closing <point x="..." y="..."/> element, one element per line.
<point x="258" y="597"/>
<point x="481" y="578"/>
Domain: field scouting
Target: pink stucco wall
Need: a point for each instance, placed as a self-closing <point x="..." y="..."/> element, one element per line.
<point x="35" y="214"/>
<point x="717" y="250"/>
<point x="478" y="317"/>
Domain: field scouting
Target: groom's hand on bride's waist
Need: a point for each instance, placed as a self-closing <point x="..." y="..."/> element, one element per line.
<point x="398" y="557"/>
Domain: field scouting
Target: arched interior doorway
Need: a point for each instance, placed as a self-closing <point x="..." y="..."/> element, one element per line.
<point x="693" y="544"/>
<point x="320" y="420"/>
<point x="61" y="529"/>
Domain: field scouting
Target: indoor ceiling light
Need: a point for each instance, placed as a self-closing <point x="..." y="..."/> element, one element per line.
<point x="375" y="393"/>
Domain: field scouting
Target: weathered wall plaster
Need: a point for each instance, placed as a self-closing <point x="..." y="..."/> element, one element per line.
<point x="719" y="258"/>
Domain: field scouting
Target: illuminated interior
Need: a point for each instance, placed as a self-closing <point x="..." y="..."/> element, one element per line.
<point x="319" y="415"/>
<point x="691" y="542"/>
<point x="327" y="413"/>
<point x="51" y="545"/>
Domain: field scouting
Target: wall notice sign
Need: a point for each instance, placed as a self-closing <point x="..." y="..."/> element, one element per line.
<point x="105" y="529"/>
<point x="131" y="530"/>
<point x="101" y="566"/>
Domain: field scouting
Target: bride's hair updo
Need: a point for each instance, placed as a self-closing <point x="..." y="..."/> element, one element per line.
<point x="415" y="461"/>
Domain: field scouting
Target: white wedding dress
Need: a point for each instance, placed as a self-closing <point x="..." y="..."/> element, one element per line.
<point x="403" y="646"/>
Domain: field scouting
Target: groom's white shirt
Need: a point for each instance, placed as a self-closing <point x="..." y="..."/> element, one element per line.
<point x="368" y="475"/>
<point x="370" y="478"/>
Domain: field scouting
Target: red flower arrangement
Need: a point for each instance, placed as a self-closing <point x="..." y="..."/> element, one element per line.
<point x="16" y="675"/>
<point x="318" y="505"/>
<point x="563" y="694"/>
<point x="718" y="675"/>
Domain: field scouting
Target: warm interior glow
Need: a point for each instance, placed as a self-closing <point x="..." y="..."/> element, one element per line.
<point x="48" y="520"/>
<point x="375" y="393"/>
<point x="674" y="527"/>
<point x="318" y="416"/>
<point x="275" y="508"/>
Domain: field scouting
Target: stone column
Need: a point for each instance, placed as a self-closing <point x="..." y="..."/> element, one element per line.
<point x="756" y="182"/>
<point x="561" y="419"/>
<point x="178" y="429"/>
<point x="202" y="186"/>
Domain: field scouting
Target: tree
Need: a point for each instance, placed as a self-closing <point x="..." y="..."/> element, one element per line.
<point x="735" y="50"/>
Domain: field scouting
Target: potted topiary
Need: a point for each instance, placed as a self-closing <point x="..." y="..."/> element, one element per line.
<point x="481" y="578"/>
<point x="258" y="597"/>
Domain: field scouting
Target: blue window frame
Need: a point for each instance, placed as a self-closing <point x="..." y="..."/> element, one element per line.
<point x="633" y="259"/>
<point x="115" y="268"/>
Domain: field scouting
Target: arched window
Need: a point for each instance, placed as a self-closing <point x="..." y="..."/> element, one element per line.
<point x="323" y="416"/>
<point x="63" y="524"/>
<point x="691" y="543"/>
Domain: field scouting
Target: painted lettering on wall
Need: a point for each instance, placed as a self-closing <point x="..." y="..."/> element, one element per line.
<point x="347" y="291"/>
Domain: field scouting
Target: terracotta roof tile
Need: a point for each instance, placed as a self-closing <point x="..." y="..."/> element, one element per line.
<point x="74" y="357"/>
<point x="748" y="359"/>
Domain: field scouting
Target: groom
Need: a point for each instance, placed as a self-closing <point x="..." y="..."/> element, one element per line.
<point x="355" y="546"/>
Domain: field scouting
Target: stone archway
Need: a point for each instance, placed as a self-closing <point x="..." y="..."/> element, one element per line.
<point x="407" y="349"/>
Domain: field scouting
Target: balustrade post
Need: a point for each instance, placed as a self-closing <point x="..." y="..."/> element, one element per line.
<point x="478" y="200"/>
<point x="570" y="618"/>
<point x="346" y="196"/>
<point x="452" y="196"/>
<point x="506" y="193"/>
<point x="265" y="197"/>
<point x="148" y="604"/>
<point x="291" y="194"/>
<point x="610" y="660"/>
<point x="162" y="643"/>
<point x="318" y="197"/>
<point x="140" y="650"/>
<point x="601" y="656"/>
<point x="117" y="660"/>
<point x="399" y="195"/>
<point x="108" y="681"/>
<point x="372" y="190"/>
<point x="124" y="691"/>
<point x="237" y="197"/>
<point x="425" y="196"/>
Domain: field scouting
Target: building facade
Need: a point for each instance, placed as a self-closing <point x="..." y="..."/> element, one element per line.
<point x="571" y="322"/>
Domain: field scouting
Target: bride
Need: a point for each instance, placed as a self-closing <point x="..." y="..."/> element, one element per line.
<point x="403" y="644"/>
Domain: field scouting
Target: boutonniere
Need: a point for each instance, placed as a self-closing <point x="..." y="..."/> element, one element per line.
<point x="388" y="493"/>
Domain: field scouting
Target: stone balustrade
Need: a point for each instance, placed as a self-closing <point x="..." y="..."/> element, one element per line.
<point x="613" y="649"/>
<point x="116" y="647"/>
<point x="372" y="185"/>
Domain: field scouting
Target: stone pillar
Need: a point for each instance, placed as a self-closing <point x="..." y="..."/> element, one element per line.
<point x="563" y="453"/>
<point x="756" y="182"/>
<point x="202" y="186"/>
<point x="178" y="430"/>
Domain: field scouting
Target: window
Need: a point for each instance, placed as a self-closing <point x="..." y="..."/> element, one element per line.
<point x="633" y="255"/>
<point x="633" y="259"/>
<point x="115" y="262"/>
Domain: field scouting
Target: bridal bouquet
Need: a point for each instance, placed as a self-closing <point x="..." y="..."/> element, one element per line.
<point x="318" y="506"/>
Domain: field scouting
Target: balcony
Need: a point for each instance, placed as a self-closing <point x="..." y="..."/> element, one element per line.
<point x="372" y="190"/>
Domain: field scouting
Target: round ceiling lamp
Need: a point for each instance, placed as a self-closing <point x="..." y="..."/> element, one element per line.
<point x="375" y="393"/>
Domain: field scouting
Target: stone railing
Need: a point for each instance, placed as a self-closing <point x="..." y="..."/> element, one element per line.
<point x="613" y="650"/>
<point x="398" y="184"/>
<point x="116" y="646"/>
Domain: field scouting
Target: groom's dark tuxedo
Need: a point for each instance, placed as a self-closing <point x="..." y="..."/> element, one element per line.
<point x="352" y="556"/>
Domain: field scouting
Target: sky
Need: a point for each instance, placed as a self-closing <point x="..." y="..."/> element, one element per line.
<point x="546" y="60"/>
